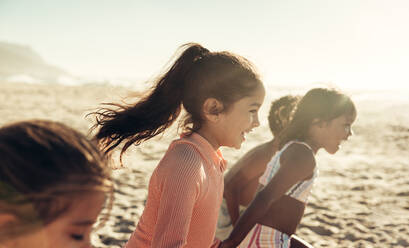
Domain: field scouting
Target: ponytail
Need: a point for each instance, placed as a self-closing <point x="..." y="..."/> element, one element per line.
<point x="280" y="113"/>
<point x="152" y="114"/>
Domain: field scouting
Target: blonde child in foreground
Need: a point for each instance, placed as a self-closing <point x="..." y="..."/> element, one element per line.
<point x="221" y="94"/>
<point x="53" y="183"/>
<point x="241" y="180"/>
<point x="322" y="119"/>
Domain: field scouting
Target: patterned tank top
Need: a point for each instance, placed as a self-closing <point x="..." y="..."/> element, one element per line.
<point x="299" y="191"/>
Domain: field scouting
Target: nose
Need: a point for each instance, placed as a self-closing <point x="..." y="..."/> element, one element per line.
<point x="87" y="242"/>
<point x="256" y="122"/>
<point x="350" y="133"/>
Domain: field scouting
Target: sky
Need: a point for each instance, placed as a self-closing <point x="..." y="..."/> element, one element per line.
<point x="346" y="43"/>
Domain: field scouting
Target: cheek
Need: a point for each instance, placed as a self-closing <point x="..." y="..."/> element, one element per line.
<point x="58" y="237"/>
<point x="38" y="239"/>
<point x="343" y="133"/>
<point x="336" y="133"/>
<point x="252" y="119"/>
<point x="242" y="118"/>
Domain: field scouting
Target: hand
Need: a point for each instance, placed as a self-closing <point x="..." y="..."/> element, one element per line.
<point x="226" y="244"/>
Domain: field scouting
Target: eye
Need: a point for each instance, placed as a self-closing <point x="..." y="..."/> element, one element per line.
<point x="77" y="237"/>
<point x="347" y="128"/>
<point x="254" y="111"/>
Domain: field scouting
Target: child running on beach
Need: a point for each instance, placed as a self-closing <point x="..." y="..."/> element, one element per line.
<point x="241" y="180"/>
<point x="53" y="184"/>
<point x="322" y="119"/>
<point x="221" y="94"/>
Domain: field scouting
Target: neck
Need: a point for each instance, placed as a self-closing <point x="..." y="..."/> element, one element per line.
<point x="314" y="146"/>
<point x="210" y="138"/>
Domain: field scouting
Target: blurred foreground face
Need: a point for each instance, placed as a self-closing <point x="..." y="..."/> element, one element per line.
<point x="70" y="230"/>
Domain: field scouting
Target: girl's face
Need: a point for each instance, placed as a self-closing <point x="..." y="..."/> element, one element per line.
<point x="70" y="230"/>
<point x="335" y="131"/>
<point x="239" y="119"/>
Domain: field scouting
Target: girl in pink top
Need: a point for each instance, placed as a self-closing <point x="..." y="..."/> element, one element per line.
<point x="221" y="94"/>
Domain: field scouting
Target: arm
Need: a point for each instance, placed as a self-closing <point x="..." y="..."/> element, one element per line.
<point x="297" y="163"/>
<point x="247" y="169"/>
<point x="254" y="162"/>
<point x="232" y="203"/>
<point x="180" y="191"/>
<point x="216" y="243"/>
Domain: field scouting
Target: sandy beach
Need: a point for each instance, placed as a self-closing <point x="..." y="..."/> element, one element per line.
<point x="361" y="198"/>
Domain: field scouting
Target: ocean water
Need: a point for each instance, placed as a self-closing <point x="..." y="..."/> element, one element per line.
<point x="385" y="95"/>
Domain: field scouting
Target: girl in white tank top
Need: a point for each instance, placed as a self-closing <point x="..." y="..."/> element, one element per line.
<point x="322" y="119"/>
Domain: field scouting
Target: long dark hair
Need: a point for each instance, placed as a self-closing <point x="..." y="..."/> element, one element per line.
<point x="42" y="161"/>
<point x="196" y="75"/>
<point x="319" y="103"/>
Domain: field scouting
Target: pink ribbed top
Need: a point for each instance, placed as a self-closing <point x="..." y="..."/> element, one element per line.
<point x="184" y="196"/>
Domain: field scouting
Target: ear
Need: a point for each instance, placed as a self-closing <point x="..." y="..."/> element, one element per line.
<point x="212" y="109"/>
<point x="318" y="122"/>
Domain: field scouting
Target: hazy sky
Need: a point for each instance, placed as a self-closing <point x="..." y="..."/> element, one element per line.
<point x="362" y="43"/>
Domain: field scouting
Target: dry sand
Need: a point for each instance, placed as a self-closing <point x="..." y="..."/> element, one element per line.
<point x="361" y="198"/>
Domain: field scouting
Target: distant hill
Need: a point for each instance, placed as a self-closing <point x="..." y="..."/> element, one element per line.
<point x="23" y="60"/>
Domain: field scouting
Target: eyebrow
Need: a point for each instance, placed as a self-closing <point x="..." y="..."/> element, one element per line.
<point x="84" y="223"/>
<point x="255" y="104"/>
<point x="350" y="119"/>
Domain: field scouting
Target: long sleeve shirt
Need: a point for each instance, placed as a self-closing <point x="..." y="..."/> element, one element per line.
<point x="184" y="196"/>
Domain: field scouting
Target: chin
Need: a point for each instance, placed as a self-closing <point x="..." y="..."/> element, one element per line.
<point x="332" y="150"/>
<point x="237" y="146"/>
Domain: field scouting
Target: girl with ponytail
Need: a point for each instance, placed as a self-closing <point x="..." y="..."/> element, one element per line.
<point x="322" y="119"/>
<point x="221" y="95"/>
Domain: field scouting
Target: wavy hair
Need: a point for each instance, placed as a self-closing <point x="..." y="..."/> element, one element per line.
<point x="196" y="75"/>
<point x="280" y="113"/>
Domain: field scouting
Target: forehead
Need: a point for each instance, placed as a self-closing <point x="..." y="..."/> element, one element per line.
<point x="346" y="118"/>
<point x="256" y="95"/>
<point x="84" y="209"/>
<point x="350" y="117"/>
<point x="254" y="99"/>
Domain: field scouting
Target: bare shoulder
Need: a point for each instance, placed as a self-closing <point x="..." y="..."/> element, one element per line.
<point x="252" y="163"/>
<point x="261" y="153"/>
<point x="300" y="156"/>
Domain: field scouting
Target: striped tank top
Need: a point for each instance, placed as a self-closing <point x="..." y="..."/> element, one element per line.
<point x="299" y="191"/>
